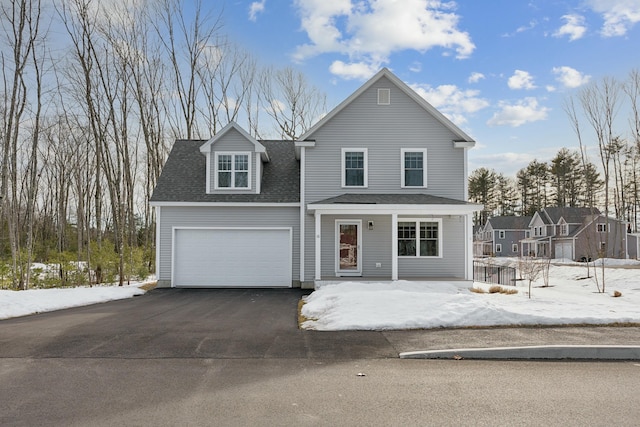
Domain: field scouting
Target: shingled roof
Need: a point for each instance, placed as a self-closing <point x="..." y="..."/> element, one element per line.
<point x="183" y="178"/>
<point x="570" y="215"/>
<point x="510" y="222"/>
<point x="392" y="199"/>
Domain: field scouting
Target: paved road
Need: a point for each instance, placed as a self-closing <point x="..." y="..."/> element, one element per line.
<point x="235" y="357"/>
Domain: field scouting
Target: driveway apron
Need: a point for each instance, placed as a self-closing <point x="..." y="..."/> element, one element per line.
<point x="186" y="323"/>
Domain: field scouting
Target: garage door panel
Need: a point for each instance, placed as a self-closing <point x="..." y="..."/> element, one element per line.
<point x="564" y="250"/>
<point x="232" y="258"/>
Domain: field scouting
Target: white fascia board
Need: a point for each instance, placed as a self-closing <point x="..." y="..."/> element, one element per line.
<point x="227" y="204"/>
<point x="464" y="144"/>
<point x="259" y="148"/>
<point x="359" y="209"/>
<point x="305" y="143"/>
<point x="299" y="145"/>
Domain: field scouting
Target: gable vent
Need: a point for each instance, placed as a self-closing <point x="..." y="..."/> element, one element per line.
<point x="384" y="96"/>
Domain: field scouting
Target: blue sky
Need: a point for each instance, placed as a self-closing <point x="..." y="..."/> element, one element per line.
<point x="499" y="69"/>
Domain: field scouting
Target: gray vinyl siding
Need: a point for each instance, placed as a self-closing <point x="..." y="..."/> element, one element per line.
<point x="451" y="265"/>
<point x="218" y="216"/>
<point x="376" y="248"/>
<point x="384" y="130"/>
<point x="375" y="245"/>
<point x="588" y="241"/>
<point x="511" y="237"/>
<point x="233" y="141"/>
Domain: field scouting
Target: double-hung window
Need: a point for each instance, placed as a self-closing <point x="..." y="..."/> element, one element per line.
<point x="354" y="167"/>
<point x="414" y="161"/>
<point x="419" y="238"/>
<point x="232" y="171"/>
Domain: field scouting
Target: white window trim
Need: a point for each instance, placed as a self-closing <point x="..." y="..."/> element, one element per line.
<point x="424" y="166"/>
<point x="501" y="234"/>
<point x="233" y="155"/>
<point x="603" y="227"/>
<point x="498" y="247"/>
<point x="344" y="151"/>
<point x="563" y="229"/>
<point x="514" y="247"/>
<point x="418" y="221"/>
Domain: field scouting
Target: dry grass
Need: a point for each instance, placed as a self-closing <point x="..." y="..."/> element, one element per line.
<point x="302" y="318"/>
<point x="495" y="289"/>
<point x="478" y="290"/>
<point x="148" y="286"/>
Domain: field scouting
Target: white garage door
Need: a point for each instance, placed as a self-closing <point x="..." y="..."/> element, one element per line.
<point x="232" y="257"/>
<point x="564" y="250"/>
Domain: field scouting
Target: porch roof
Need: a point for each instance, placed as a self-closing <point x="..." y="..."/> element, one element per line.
<point x="372" y="203"/>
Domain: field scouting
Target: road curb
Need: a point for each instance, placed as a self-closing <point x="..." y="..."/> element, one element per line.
<point x="550" y="352"/>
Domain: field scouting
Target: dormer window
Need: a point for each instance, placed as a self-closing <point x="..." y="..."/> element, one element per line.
<point x="232" y="171"/>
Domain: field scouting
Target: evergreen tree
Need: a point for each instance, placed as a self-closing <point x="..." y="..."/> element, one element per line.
<point x="482" y="183"/>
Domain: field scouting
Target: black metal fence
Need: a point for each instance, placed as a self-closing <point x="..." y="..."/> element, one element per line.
<point x="494" y="274"/>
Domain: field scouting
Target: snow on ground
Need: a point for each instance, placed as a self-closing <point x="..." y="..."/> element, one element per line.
<point x="22" y="303"/>
<point x="571" y="298"/>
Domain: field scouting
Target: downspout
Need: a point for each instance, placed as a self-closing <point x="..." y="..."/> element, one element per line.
<point x="302" y="211"/>
<point x="158" y="243"/>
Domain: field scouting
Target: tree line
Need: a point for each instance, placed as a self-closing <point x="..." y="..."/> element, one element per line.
<point x="93" y="95"/>
<point x="571" y="178"/>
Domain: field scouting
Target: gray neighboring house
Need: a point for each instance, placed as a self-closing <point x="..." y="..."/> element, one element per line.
<point x="377" y="189"/>
<point x="500" y="236"/>
<point x="576" y="234"/>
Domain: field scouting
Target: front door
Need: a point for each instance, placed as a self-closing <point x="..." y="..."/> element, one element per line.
<point x="348" y="248"/>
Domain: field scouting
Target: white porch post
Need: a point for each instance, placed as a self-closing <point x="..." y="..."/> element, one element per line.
<point x="317" y="231"/>
<point x="469" y="246"/>
<point x="394" y="246"/>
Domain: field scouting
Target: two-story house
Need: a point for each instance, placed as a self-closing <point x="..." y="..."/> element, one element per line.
<point x="501" y="236"/>
<point x="376" y="189"/>
<point x="575" y="234"/>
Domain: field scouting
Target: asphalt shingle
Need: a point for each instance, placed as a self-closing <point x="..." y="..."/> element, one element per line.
<point x="183" y="178"/>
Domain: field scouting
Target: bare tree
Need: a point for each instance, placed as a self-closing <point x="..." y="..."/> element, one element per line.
<point x="20" y="24"/>
<point x="600" y="104"/>
<point x="291" y="101"/>
<point x="186" y="43"/>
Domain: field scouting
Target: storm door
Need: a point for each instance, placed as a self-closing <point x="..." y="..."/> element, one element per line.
<point x="348" y="248"/>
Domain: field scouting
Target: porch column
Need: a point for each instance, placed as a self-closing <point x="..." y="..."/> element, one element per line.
<point x="469" y="246"/>
<point x="394" y="246"/>
<point x="317" y="230"/>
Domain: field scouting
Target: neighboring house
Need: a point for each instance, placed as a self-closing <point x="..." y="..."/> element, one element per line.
<point x="576" y="234"/>
<point x="377" y="189"/>
<point x="501" y="236"/>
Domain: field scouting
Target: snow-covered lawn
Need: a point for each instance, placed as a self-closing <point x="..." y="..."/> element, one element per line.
<point x="22" y="303"/>
<point x="571" y="298"/>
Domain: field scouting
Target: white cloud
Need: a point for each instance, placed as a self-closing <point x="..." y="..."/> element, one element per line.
<point x="573" y="27"/>
<point x="475" y="77"/>
<point x="353" y="70"/>
<point x="255" y="8"/>
<point x="415" y="67"/>
<point x="521" y="80"/>
<point x="619" y="15"/>
<point x="453" y="102"/>
<point x="569" y="77"/>
<point x="369" y="31"/>
<point x="524" y="111"/>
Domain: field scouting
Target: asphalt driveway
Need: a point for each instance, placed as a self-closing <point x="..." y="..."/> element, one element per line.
<point x="248" y="324"/>
<point x="186" y="323"/>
